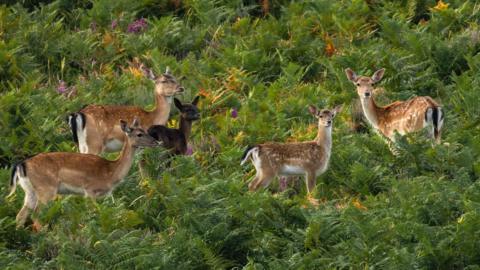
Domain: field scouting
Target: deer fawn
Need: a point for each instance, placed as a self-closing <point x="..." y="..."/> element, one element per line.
<point x="287" y="159"/>
<point x="45" y="175"/>
<point x="96" y="127"/>
<point x="176" y="140"/>
<point x="401" y="116"/>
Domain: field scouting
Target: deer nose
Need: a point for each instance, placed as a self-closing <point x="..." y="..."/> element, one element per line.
<point x="367" y="94"/>
<point x="181" y="89"/>
<point x="329" y="122"/>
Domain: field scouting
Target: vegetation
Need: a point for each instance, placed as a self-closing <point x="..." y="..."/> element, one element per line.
<point x="257" y="64"/>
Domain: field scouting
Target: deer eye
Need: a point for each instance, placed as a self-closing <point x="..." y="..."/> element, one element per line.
<point x="140" y="135"/>
<point x="358" y="84"/>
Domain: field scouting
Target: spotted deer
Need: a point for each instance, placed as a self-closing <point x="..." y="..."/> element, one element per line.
<point x="400" y="116"/>
<point x="289" y="159"/>
<point x="45" y="175"/>
<point x="96" y="128"/>
<point x="176" y="140"/>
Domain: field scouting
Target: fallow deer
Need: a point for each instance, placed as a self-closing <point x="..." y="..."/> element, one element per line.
<point x="400" y="116"/>
<point x="288" y="159"/>
<point x="96" y="128"/>
<point x="45" y="175"/>
<point x="176" y="140"/>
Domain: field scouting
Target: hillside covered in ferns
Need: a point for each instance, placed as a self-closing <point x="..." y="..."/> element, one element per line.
<point x="257" y="66"/>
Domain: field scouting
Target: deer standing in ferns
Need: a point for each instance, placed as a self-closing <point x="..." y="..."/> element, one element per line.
<point x="400" y="116"/>
<point x="96" y="128"/>
<point x="45" y="175"/>
<point x="176" y="140"/>
<point x="288" y="159"/>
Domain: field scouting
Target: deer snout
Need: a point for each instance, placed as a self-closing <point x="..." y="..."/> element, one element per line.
<point x="367" y="94"/>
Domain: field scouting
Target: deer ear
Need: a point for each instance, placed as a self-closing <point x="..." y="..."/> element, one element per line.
<point x="178" y="103"/>
<point x="313" y="110"/>
<point x="337" y="109"/>
<point x="167" y="70"/>
<point x="351" y="75"/>
<point x="378" y="75"/>
<point x="124" y="126"/>
<point x="150" y="75"/>
<point x="195" y="100"/>
<point x="148" y="72"/>
<point x="136" y="123"/>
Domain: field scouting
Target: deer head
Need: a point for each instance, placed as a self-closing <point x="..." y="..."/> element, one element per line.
<point x="136" y="136"/>
<point x="325" y="117"/>
<point x="189" y="112"/>
<point x="165" y="84"/>
<point x="365" y="85"/>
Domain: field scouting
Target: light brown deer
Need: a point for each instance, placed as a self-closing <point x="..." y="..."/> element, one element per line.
<point x="288" y="159"/>
<point x="45" y="175"/>
<point x="400" y="116"/>
<point x="96" y="128"/>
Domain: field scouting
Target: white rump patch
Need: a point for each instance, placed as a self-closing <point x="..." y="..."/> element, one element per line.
<point x="30" y="199"/>
<point x="257" y="162"/>
<point x="429" y="119"/>
<point x="82" y="136"/>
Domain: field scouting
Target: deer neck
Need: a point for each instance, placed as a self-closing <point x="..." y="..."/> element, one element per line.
<point x="122" y="165"/>
<point x="185" y="127"/>
<point x="370" y="109"/>
<point x="161" y="112"/>
<point x="324" y="137"/>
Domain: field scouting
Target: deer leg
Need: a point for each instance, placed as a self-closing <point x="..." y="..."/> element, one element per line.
<point x="44" y="196"/>
<point x="254" y="183"/>
<point x="283" y="183"/>
<point x="265" y="180"/>
<point x="438" y="137"/>
<point x="30" y="203"/>
<point x="311" y="180"/>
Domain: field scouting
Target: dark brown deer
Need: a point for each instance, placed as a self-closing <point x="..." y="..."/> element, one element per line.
<point x="173" y="139"/>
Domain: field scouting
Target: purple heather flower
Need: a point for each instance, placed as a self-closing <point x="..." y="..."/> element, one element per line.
<point x="62" y="87"/>
<point x="234" y="113"/>
<point x="137" y="26"/>
<point x="283" y="183"/>
<point x="189" y="151"/>
<point x="114" y="24"/>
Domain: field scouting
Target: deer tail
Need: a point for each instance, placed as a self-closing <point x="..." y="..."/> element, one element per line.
<point x="247" y="153"/>
<point x="76" y="121"/>
<point x="18" y="169"/>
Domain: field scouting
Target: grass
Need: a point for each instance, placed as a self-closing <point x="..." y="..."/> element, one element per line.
<point x="268" y="60"/>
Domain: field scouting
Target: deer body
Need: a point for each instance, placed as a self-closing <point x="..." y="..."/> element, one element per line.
<point x="96" y="128"/>
<point x="287" y="159"/>
<point x="400" y="116"/>
<point x="176" y="140"/>
<point x="45" y="175"/>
